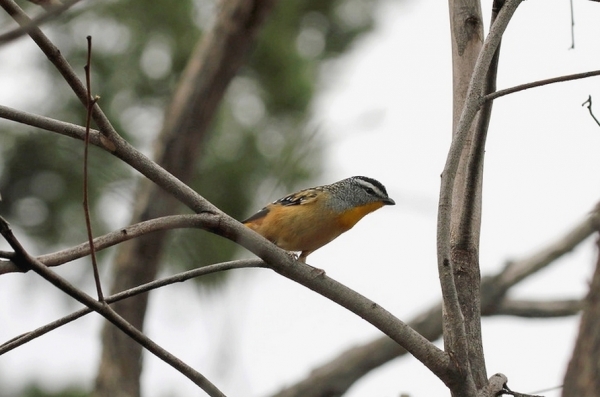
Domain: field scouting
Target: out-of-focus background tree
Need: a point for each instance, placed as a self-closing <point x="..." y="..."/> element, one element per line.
<point x="259" y="144"/>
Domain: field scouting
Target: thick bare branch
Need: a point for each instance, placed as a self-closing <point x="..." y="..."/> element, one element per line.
<point x="460" y="195"/>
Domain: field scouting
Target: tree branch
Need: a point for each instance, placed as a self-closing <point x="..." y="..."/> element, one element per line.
<point x="338" y="376"/>
<point x="519" y="270"/>
<point x="581" y="378"/>
<point x="455" y="336"/>
<point x="540" y="83"/>
<point x="52" y="13"/>
<point x="588" y="102"/>
<point x="108" y="240"/>
<point x="539" y="309"/>
<point x="177" y="278"/>
<point x="86" y="150"/>
<point x="108" y="313"/>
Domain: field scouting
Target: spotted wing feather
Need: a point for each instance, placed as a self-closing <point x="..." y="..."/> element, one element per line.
<point x="300" y="198"/>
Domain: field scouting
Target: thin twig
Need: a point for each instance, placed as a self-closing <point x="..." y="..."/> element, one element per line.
<point x="572" y="26"/>
<point x="52" y="13"/>
<point x="589" y="106"/>
<point x="539" y="308"/>
<point x="86" y="206"/>
<point x="107" y="312"/>
<point x="540" y="83"/>
<point x="109" y="240"/>
<point x="177" y="278"/>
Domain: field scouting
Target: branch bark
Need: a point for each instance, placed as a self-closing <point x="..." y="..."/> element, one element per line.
<point x="459" y="212"/>
<point x="177" y="278"/>
<point x="24" y="259"/>
<point x="108" y="240"/>
<point x="582" y="377"/>
<point x="465" y="214"/>
<point x="336" y="375"/>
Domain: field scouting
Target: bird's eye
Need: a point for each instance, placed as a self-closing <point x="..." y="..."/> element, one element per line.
<point x="370" y="191"/>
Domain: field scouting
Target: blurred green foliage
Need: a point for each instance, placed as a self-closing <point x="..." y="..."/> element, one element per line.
<point x="36" y="391"/>
<point x="259" y="142"/>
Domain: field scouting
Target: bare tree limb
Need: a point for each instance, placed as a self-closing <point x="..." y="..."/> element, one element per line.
<point x="467" y="195"/>
<point x="61" y="127"/>
<point x="177" y="278"/>
<point x="581" y="378"/>
<point x="519" y="270"/>
<point x="108" y="240"/>
<point x="540" y="83"/>
<point x="86" y="145"/>
<point x="455" y="328"/>
<point x="460" y="322"/>
<point x="54" y="9"/>
<point x="337" y="375"/>
<point x="588" y="102"/>
<point x="105" y="310"/>
<point x="539" y="309"/>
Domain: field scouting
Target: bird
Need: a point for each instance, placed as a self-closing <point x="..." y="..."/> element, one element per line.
<point x="311" y="218"/>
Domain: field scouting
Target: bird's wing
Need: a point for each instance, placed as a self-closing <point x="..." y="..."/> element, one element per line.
<point x="299" y="198"/>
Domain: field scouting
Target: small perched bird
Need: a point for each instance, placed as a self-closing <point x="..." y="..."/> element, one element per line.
<point x="307" y="220"/>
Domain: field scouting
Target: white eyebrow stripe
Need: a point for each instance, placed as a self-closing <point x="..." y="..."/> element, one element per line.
<point x="372" y="186"/>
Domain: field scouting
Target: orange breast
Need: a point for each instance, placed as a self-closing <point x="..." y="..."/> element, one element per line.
<point x="349" y="218"/>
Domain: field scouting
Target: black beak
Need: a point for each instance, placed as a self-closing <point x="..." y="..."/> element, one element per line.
<point x="389" y="201"/>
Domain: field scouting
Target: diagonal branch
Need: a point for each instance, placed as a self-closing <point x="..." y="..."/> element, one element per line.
<point x="105" y="310"/>
<point x="52" y="13"/>
<point x="539" y="309"/>
<point x="519" y="270"/>
<point x="108" y="240"/>
<point x="540" y="83"/>
<point x="339" y="376"/>
<point x="177" y="278"/>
